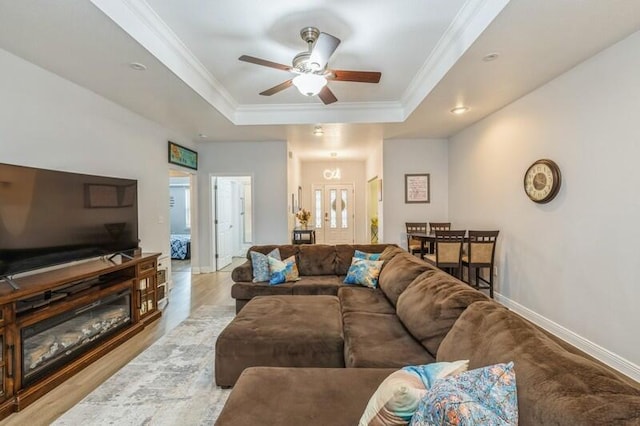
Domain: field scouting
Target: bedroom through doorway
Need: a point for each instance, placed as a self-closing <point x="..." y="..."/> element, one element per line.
<point x="180" y="202"/>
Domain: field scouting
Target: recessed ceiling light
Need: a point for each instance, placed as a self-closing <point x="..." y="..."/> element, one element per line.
<point x="137" y="66"/>
<point x="334" y="154"/>
<point x="318" y="131"/>
<point x="490" y="57"/>
<point x="459" y="110"/>
<point x="202" y="135"/>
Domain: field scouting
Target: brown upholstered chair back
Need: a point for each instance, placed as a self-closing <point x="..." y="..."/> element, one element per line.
<point x="413" y="245"/>
<point x="440" y="226"/>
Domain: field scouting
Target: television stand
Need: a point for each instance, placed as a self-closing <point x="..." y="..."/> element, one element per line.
<point x="59" y="321"/>
<point x="122" y="254"/>
<point x="11" y="282"/>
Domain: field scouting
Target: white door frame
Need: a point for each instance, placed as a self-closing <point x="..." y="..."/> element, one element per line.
<point x="193" y="185"/>
<point x="212" y="212"/>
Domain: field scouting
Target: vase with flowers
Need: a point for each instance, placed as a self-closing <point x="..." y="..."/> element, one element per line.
<point x="303" y="216"/>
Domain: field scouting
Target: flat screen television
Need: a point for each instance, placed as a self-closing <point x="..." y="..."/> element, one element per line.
<point x="51" y="217"/>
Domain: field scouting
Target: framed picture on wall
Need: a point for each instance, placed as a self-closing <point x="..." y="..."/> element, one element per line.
<point x="183" y="156"/>
<point x="416" y="188"/>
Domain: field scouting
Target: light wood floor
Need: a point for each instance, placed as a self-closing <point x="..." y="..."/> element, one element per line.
<point x="188" y="293"/>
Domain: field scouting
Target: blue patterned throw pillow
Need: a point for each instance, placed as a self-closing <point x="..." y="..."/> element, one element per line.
<point x="364" y="255"/>
<point x="283" y="270"/>
<point x="397" y="398"/>
<point x="364" y="272"/>
<point x="485" y="396"/>
<point x="260" y="264"/>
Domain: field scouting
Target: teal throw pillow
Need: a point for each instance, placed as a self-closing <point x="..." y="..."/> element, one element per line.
<point x="485" y="396"/>
<point x="260" y="264"/>
<point x="397" y="398"/>
<point x="283" y="270"/>
<point x="364" y="272"/>
<point x="364" y="255"/>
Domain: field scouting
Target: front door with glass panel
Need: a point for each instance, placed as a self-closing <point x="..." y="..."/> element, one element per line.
<point x="333" y="213"/>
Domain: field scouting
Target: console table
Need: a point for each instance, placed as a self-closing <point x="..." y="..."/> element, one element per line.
<point x="303" y="236"/>
<point x="59" y="321"/>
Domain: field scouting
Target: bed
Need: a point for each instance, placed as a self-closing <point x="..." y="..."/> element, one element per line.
<point x="180" y="246"/>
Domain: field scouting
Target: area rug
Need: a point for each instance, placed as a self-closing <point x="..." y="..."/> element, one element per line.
<point x="170" y="383"/>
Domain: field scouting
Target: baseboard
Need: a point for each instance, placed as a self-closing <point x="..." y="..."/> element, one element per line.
<point x="195" y="270"/>
<point x="624" y="366"/>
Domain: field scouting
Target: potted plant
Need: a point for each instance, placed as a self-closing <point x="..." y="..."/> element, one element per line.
<point x="303" y="216"/>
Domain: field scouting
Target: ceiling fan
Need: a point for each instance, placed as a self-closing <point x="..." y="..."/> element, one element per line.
<point x="311" y="68"/>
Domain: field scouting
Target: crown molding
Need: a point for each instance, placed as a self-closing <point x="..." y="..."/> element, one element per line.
<point x="347" y="112"/>
<point x="144" y="25"/>
<point x="474" y="17"/>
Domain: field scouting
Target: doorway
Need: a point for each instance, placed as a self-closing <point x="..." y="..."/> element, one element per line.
<point x="232" y="219"/>
<point x="333" y="213"/>
<point x="181" y="196"/>
<point x="374" y="197"/>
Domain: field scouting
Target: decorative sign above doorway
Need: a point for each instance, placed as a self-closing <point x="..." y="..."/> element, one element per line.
<point x="183" y="156"/>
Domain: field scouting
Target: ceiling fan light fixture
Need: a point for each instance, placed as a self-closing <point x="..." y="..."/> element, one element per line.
<point x="317" y="131"/>
<point x="309" y="84"/>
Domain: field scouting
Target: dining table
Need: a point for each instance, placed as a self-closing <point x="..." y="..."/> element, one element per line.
<point x="424" y="237"/>
<point x="430" y="238"/>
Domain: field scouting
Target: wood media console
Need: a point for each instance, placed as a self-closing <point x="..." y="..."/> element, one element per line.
<point x="58" y="322"/>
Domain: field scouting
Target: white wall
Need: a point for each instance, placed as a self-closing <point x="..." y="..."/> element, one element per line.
<point x="266" y="163"/>
<point x="402" y="157"/>
<point x="351" y="172"/>
<point x="49" y="122"/>
<point x="572" y="261"/>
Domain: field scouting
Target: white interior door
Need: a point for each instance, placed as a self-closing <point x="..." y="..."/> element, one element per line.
<point x="333" y="213"/>
<point x="223" y="223"/>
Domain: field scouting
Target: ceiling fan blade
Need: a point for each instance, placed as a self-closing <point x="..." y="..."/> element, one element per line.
<point x="323" y="48"/>
<point x="275" y="89"/>
<point x="264" y="62"/>
<point x="327" y="96"/>
<point x="357" y="76"/>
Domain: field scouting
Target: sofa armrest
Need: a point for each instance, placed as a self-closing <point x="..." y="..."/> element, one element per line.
<point x="243" y="273"/>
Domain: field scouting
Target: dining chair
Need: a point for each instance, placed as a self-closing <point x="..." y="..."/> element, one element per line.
<point x="480" y="254"/>
<point x="448" y="253"/>
<point x="440" y="226"/>
<point x="413" y="245"/>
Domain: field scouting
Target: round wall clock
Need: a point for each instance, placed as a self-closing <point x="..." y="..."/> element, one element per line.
<point x="542" y="181"/>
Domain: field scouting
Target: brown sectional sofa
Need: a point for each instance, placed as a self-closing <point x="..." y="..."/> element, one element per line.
<point x="322" y="269"/>
<point x="420" y="315"/>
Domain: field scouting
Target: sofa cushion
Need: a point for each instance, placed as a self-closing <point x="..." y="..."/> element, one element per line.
<point x="398" y="273"/>
<point x="364" y="272"/>
<point x="242" y="273"/>
<point x="345" y="252"/>
<point x="286" y="250"/>
<point x="390" y="252"/>
<point x="364" y="255"/>
<point x="361" y="299"/>
<point x="306" y="396"/>
<point x="554" y="385"/>
<point x="431" y="304"/>
<point x="250" y="290"/>
<point x="378" y="341"/>
<point x="318" y="284"/>
<point x="260" y="264"/>
<point x="283" y="271"/>
<point x="484" y="396"/>
<point x="398" y="396"/>
<point x="316" y="259"/>
<point x="281" y="331"/>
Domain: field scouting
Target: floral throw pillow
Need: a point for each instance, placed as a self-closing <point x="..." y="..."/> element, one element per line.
<point x="283" y="270"/>
<point x="260" y="264"/>
<point x="364" y="255"/>
<point x="485" y="396"/>
<point x="396" y="399"/>
<point x="364" y="272"/>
